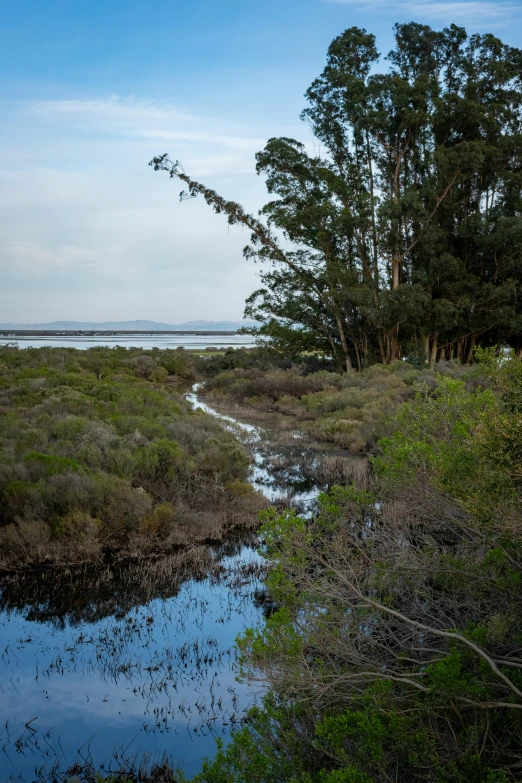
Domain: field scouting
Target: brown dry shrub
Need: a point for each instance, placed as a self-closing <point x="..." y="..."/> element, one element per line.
<point x="345" y="432"/>
<point x="24" y="541"/>
<point x="78" y="536"/>
<point x="143" y="366"/>
<point x="124" y="508"/>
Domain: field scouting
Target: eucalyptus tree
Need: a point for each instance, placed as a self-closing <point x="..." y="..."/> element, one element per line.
<point x="404" y="231"/>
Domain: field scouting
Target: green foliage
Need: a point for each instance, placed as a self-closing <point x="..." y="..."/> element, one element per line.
<point x="98" y="451"/>
<point x="348" y="410"/>
<point x="403" y="236"/>
<point x="468" y="444"/>
<point x="393" y="652"/>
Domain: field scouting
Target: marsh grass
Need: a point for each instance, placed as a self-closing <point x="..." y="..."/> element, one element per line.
<point x="349" y="411"/>
<point x="100" y="455"/>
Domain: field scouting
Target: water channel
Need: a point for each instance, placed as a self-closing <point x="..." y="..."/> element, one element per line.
<point x="137" y="662"/>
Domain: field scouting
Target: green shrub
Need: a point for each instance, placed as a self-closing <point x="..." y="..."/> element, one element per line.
<point x="328" y="405"/>
<point x="96" y="448"/>
<point x="393" y="653"/>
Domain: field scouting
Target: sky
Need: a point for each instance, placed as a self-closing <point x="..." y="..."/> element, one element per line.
<point x="91" y="90"/>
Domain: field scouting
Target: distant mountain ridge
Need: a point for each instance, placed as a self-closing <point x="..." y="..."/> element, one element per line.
<point x="138" y="326"/>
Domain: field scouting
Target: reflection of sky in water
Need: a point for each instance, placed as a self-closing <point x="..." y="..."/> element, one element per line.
<point x="160" y="680"/>
<point x="192" y="341"/>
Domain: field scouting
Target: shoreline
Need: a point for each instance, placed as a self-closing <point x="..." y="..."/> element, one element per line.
<point x="112" y="332"/>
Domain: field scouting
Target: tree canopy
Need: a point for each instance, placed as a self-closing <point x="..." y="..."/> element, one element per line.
<point x="403" y="233"/>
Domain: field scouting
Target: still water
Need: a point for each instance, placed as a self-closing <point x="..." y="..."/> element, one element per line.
<point x="105" y="667"/>
<point x="191" y="341"/>
<point x="109" y="666"/>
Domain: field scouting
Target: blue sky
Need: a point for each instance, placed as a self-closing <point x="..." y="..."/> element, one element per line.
<point x="90" y="90"/>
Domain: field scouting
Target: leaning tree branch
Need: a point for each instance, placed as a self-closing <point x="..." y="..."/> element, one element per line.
<point x="237" y="216"/>
<point x="235" y="212"/>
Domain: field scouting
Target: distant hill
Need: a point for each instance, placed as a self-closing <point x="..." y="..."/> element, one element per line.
<point x="138" y="326"/>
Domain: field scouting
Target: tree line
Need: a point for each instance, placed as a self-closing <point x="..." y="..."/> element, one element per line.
<point x="401" y="233"/>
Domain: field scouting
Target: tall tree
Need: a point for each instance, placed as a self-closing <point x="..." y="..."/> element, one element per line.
<point x="404" y="232"/>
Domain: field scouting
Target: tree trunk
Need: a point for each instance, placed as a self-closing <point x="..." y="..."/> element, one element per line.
<point x="396" y="264"/>
<point x="357" y="356"/>
<point x="372" y="209"/>
<point x="433" y="357"/>
<point x="396" y="267"/>
<point x="381" y="348"/>
<point x="334" y="352"/>
<point x="344" y="343"/>
<point x="394" y="343"/>
<point x="469" y="357"/>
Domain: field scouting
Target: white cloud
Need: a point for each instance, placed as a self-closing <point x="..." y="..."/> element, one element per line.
<point x="141" y="119"/>
<point x="89" y="231"/>
<point x="112" y="240"/>
<point x="32" y="258"/>
<point x="471" y="12"/>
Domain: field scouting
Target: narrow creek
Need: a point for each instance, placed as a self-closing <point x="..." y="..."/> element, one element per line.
<point x="122" y="664"/>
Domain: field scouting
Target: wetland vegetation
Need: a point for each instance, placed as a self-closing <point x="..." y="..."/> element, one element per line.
<point x="100" y="454"/>
<point x="385" y="634"/>
<point x="125" y="654"/>
<point x="378" y="624"/>
<point x="387" y="645"/>
<point x="350" y="410"/>
<point x="394" y="653"/>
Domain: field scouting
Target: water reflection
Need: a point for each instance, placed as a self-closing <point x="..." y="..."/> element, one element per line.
<point x="86" y="595"/>
<point x="103" y="667"/>
<point x="129" y="662"/>
<point x="288" y="467"/>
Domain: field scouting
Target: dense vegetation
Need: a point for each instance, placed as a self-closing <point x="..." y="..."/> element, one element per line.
<point x="402" y="235"/>
<point x="395" y="650"/>
<point x="392" y="646"/>
<point x="350" y="410"/>
<point x="99" y="452"/>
